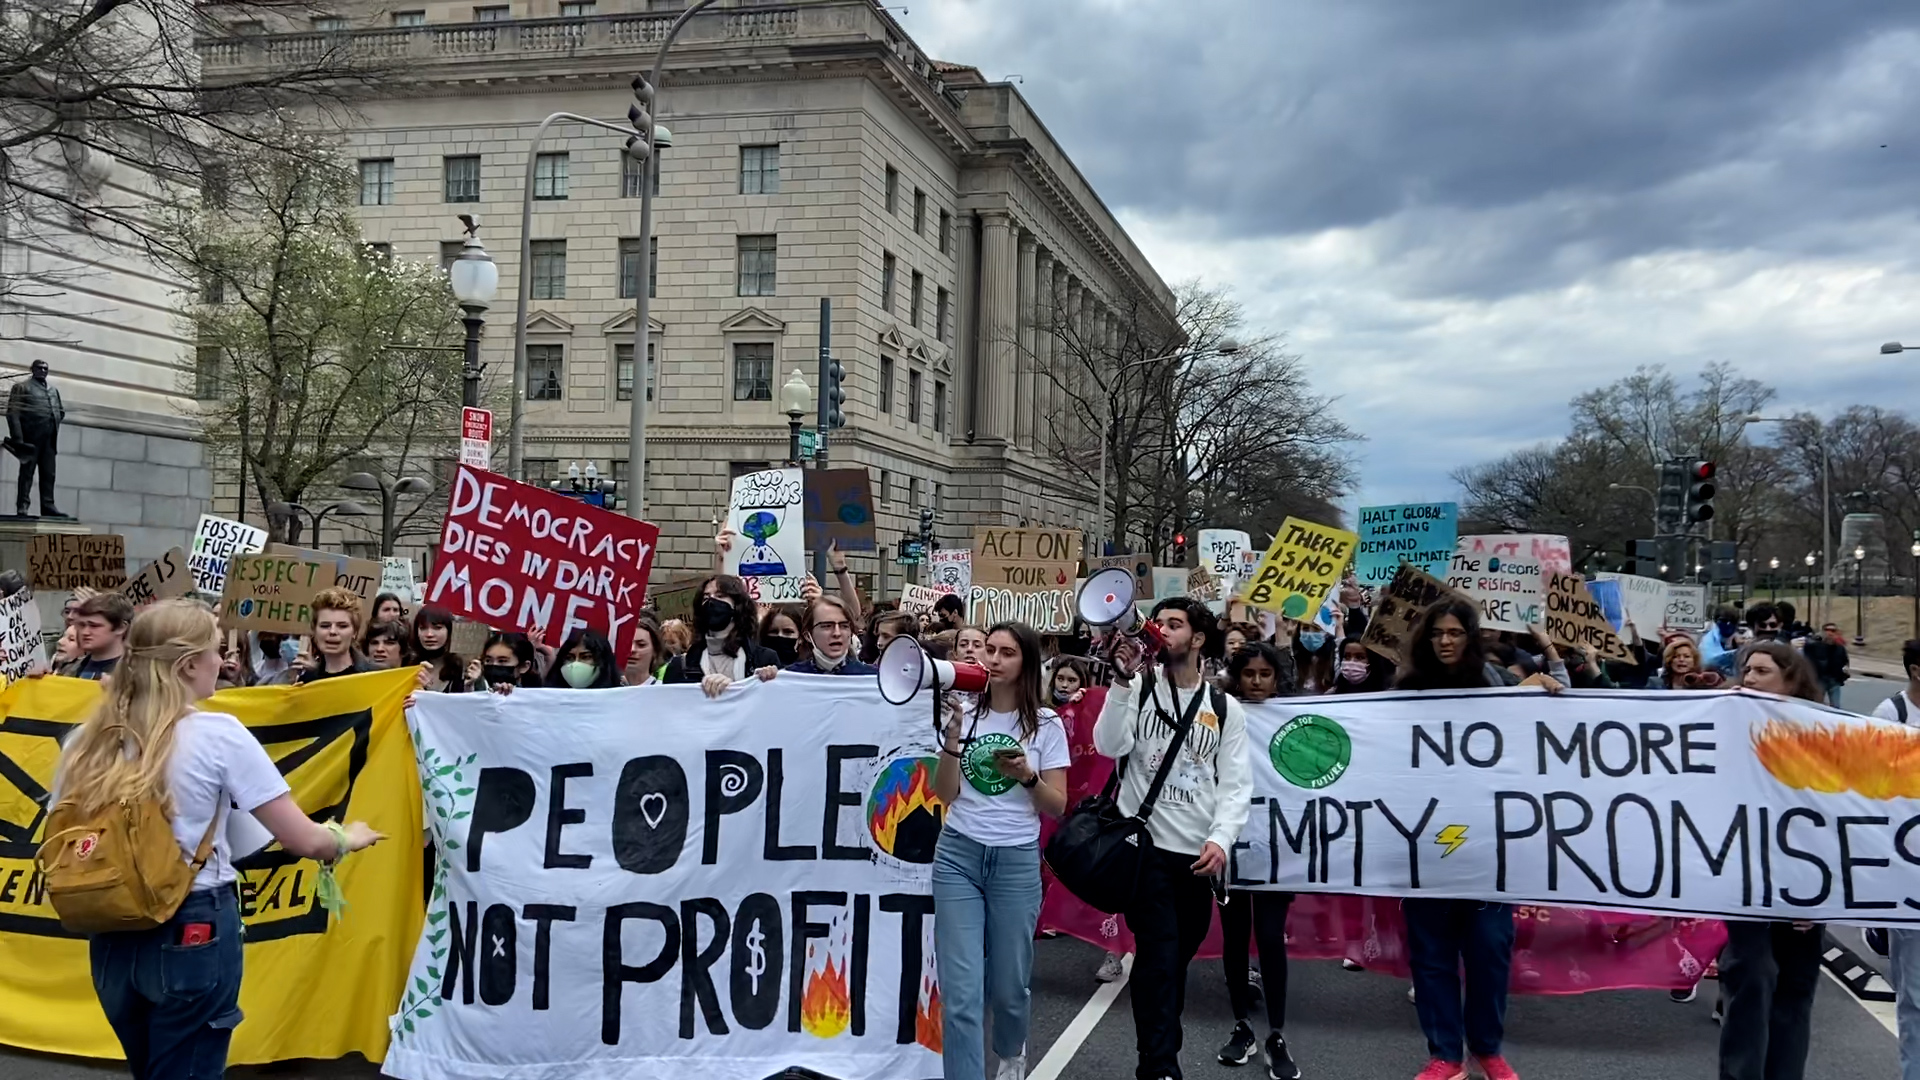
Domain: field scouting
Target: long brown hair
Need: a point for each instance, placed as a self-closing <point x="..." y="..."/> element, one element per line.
<point x="1801" y="681"/>
<point x="1027" y="688"/>
<point x="1423" y="669"/>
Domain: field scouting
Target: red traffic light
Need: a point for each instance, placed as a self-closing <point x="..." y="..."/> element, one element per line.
<point x="1703" y="470"/>
<point x="1180" y="539"/>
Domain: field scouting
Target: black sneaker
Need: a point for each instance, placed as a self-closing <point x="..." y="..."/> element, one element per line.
<point x="1280" y="1064"/>
<point x="1239" y="1049"/>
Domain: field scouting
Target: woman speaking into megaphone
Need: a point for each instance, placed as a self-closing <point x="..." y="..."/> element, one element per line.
<point x="1000" y="768"/>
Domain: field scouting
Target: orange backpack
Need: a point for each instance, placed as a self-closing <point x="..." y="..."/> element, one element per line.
<point x="117" y="868"/>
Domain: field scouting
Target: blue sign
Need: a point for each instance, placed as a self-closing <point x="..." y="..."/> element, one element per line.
<point x="1607" y="595"/>
<point x="1423" y="534"/>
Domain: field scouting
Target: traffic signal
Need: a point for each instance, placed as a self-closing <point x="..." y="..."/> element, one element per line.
<point x="640" y="115"/>
<point x="1179" y="548"/>
<point x="1723" y="566"/>
<point x="835" y="395"/>
<point x="1670" y="501"/>
<point x="1643" y="557"/>
<point x="1700" y="492"/>
<point x="926" y="526"/>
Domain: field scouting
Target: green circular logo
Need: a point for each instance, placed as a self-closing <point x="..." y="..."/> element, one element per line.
<point x="977" y="766"/>
<point x="1310" y="751"/>
<point x="1294" y="606"/>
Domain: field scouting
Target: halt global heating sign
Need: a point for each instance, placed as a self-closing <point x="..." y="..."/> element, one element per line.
<point x="1422" y="534"/>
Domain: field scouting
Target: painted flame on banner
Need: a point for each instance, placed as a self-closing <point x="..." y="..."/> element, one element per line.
<point x="1879" y="761"/>
<point x="826" y="1008"/>
<point x="927" y="1020"/>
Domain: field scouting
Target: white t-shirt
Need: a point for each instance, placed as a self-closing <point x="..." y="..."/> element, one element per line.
<point x="1886" y="710"/>
<point x="216" y="762"/>
<point x="992" y="809"/>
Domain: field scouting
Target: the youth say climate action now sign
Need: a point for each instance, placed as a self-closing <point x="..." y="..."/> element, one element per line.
<point x="512" y="555"/>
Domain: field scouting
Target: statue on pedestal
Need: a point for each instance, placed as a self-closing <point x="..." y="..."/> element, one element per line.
<point x="34" y="415"/>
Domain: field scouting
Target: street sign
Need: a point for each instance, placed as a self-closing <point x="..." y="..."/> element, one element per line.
<point x="476" y="437"/>
<point x="809" y="443"/>
<point x="911" y="553"/>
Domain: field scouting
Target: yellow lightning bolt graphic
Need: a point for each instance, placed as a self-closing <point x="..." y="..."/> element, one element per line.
<point x="1451" y="838"/>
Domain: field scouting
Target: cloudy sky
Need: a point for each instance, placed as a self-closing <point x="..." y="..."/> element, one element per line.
<point x="1464" y="212"/>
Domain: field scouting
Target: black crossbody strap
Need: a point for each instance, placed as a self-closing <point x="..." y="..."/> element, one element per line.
<point x="1180" y="729"/>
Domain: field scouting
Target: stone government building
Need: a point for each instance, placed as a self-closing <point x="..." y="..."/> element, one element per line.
<point x="816" y="153"/>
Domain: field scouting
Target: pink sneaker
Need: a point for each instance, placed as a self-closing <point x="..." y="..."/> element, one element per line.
<point x="1442" y="1070"/>
<point x="1496" y="1068"/>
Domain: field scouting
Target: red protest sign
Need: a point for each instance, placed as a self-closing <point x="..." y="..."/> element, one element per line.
<point x="516" y="556"/>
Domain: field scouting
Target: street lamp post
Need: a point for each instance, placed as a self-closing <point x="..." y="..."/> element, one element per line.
<point x="1773" y="579"/>
<point x="1810" y="612"/>
<point x="1649" y="494"/>
<point x="293" y="510"/>
<point x="389" y="499"/>
<point x="795" y="398"/>
<point x="1915" y="552"/>
<point x="473" y="278"/>
<point x="1859" y="596"/>
<point x="1826" y="515"/>
<point x="1226" y="347"/>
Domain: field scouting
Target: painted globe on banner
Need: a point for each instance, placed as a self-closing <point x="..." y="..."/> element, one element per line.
<point x="903" y="814"/>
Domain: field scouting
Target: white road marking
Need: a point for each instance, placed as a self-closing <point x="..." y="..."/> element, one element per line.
<point x="1882" y="1011"/>
<point x="1070" y="1040"/>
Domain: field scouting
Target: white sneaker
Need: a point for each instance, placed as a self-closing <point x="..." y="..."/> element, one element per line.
<point x="1012" y="1068"/>
<point x="1110" y="969"/>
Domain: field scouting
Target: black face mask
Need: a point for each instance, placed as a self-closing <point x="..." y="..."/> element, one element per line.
<point x="785" y="648"/>
<point x="715" y="615"/>
<point x="498" y="674"/>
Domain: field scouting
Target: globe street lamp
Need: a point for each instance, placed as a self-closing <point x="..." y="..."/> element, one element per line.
<point x="293" y="510"/>
<point x="1773" y="578"/>
<point x="1810" y="559"/>
<point x="473" y="277"/>
<point x="796" y="398"/>
<point x="1915" y="552"/>
<point x="1859" y="595"/>
<point x="389" y="497"/>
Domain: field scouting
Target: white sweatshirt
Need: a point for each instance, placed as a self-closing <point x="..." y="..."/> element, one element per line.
<point x="1207" y="793"/>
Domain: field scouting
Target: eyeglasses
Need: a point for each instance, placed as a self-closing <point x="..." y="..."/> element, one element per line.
<point x="830" y="626"/>
<point x="1448" y="635"/>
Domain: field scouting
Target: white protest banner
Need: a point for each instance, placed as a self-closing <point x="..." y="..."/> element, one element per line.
<point x="920" y="599"/>
<point x="215" y="540"/>
<point x="721" y="899"/>
<point x="396" y="577"/>
<point x="22" y="653"/>
<point x="1646" y="603"/>
<point x="767" y="515"/>
<point x="1223" y="551"/>
<point x="1686" y="607"/>
<point x="1423" y="534"/>
<point x="1722" y="804"/>
<point x="951" y="569"/>
<point x="1507" y="576"/>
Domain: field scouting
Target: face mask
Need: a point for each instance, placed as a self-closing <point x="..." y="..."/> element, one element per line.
<point x="827" y="663"/>
<point x="716" y="615"/>
<point x="784" y="648"/>
<point x="498" y="674"/>
<point x="289" y="650"/>
<point x="1354" y="671"/>
<point x="1313" y="640"/>
<point x="1061" y="697"/>
<point x="578" y="673"/>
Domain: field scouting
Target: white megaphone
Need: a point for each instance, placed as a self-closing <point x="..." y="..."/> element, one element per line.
<point x="1106" y="603"/>
<point x="906" y="669"/>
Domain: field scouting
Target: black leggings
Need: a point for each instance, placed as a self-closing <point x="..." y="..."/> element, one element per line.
<point x="1263" y="916"/>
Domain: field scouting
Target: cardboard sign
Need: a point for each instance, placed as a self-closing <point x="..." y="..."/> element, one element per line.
<point x="1300" y="569"/>
<point x="396" y="577"/>
<point x="1686" y="607"/>
<point x="1574" y="619"/>
<point x="1202" y="585"/>
<point x="1643" y="601"/>
<point x="839" y="510"/>
<point x="512" y="555"/>
<point x="59" y="563"/>
<point x="21" y="651"/>
<point x="919" y="599"/>
<point x="1026" y="560"/>
<point x="767" y="513"/>
<point x="675" y="599"/>
<point x="274" y="592"/>
<point x="165" y="578"/>
<point x="361" y="577"/>
<point x="951" y="570"/>
<point x="1507" y="576"/>
<point x="1402" y="601"/>
<point x="1141" y="566"/>
<point x="215" y="540"/>
<point x="1423" y="534"/>
<point x="1049" y="611"/>
<point x="468" y="638"/>
<point x="1222" y="551"/>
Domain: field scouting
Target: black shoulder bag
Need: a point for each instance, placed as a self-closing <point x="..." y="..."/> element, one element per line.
<point x="1097" y="851"/>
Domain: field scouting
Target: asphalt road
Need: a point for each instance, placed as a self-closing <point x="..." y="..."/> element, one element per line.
<point x="1862" y="695"/>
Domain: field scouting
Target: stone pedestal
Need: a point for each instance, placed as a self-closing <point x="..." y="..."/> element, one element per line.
<point x="16" y="536"/>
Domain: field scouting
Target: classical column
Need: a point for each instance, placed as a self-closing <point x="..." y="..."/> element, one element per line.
<point x="1024" y="386"/>
<point x="966" y="316"/>
<point x="1037" y="409"/>
<point x="999" y="315"/>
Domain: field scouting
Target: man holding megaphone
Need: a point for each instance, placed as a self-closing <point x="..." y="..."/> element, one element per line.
<point x="1167" y="713"/>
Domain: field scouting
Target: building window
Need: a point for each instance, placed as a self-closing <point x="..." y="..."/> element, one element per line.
<point x="540" y="472"/>
<point x="376" y="182"/>
<point x="409" y="18"/>
<point x="630" y="267"/>
<point x="760" y="170"/>
<point x="940" y="300"/>
<point x="550" y="176"/>
<point x="206" y="372"/>
<point x="460" y="178"/>
<point x="936" y="495"/>
<point x="576" y="9"/>
<point x="886" y="486"/>
<point x="893" y="190"/>
<point x="886" y="386"/>
<point x="913" y="397"/>
<point x="449" y="251"/>
<point x="631" y="170"/>
<point x="623" y="371"/>
<point x="939" y="418"/>
<point x="492" y="13"/>
<point x="753" y="371"/>
<point x="913" y="491"/>
<point x="543" y="374"/>
<point x="759" y="258"/>
<point x="946" y="233"/>
<point x="549" y="269"/>
<point x="329" y="24"/>
<point x="916" y="287"/>
<point x="919" y="212"/>
<point x="886" y="281"/>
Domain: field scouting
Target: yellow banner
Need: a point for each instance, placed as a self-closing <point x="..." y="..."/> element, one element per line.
<point x="1299" y="569"/>
<point x="311" y="990"/>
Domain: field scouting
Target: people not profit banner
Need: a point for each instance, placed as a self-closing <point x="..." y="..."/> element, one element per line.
<point x="1422" y="534"/>
<point x="1507" y="576"/>
<point x="662" y="885"/>
<point x="512" y="555"/>
<point x="313" y="988"/>
<point x="1724" y="804"/>
<point x="766" y="512"/>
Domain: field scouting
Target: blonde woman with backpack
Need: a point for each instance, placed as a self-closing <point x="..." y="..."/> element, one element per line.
<point x="165" y="940"/>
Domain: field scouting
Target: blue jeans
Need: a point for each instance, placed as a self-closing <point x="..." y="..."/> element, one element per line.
<point x="986" y="901"/>
<point x="173" y="1006"/>
<point x="1903" y="971"/>
<point x="1442" y="937"/>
